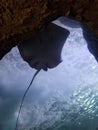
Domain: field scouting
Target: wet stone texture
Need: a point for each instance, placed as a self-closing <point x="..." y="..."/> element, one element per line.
<point x="20" y="19"/>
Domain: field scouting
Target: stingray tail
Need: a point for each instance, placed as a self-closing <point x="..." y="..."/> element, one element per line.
<point x="21" y="104"/>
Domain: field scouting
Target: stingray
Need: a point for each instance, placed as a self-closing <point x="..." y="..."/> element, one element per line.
<point x="42" y="52"/>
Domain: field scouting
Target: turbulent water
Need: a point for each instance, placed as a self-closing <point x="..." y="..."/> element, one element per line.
<point x="64" y="98"/>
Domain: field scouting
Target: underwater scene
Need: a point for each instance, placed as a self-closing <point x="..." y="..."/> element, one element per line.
<point x="63" y="98"/>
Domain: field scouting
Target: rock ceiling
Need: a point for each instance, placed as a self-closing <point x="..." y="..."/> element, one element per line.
<point x="19" y="19"/>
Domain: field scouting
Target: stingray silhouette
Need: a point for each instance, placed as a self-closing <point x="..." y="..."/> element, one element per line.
<point x="44" y="50"/>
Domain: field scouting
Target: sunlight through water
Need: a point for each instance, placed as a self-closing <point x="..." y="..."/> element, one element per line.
<point x="63" y="98"/>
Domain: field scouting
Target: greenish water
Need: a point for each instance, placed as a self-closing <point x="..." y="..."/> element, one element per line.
<point x="81" y="115"/>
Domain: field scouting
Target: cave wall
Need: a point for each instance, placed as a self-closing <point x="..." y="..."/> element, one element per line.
<point x="20" y="19"/>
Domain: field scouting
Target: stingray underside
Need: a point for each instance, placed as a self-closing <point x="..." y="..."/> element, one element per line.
<point x="44" y="50"/>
